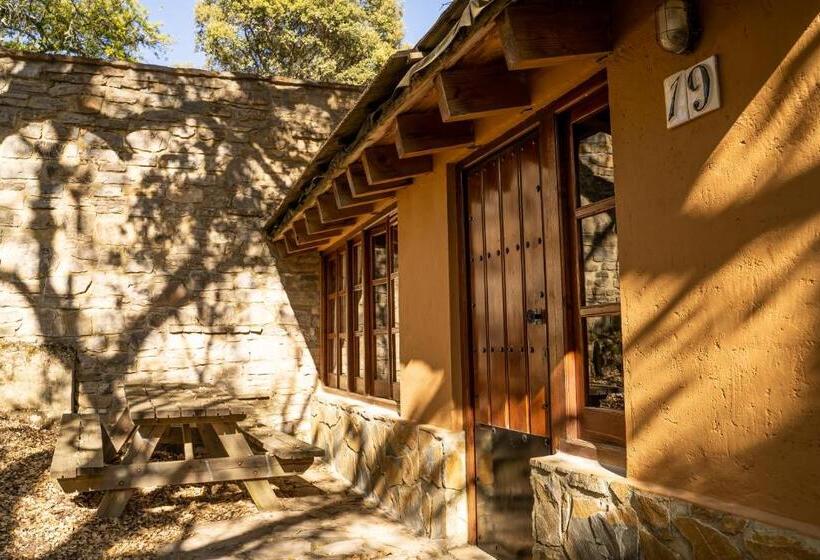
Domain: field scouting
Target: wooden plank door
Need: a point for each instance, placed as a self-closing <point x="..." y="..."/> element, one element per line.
<point x="508" y="290"/>
<point x="508" y="346"/>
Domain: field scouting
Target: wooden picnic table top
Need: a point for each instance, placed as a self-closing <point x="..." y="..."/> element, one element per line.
<point x="164" y="402"/>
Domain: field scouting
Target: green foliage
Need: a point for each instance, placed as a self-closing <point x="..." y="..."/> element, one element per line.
<point x="327" y="40"/>
<point x="107" y="29"/>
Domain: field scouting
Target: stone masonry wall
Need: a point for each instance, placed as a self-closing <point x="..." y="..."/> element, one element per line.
<point x="131" y="203"/>
<point x="414" y="473"/>
<point x="584" y="512"/>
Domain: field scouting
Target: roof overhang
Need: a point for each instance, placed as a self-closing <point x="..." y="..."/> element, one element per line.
<point x="475" y="62"/>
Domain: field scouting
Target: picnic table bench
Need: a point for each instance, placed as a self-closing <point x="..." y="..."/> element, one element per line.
<point x="86" y="458"/>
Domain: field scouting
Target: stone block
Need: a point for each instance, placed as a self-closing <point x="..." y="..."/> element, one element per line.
<point x="768" y="543"/>
<point x="707" y="543"/>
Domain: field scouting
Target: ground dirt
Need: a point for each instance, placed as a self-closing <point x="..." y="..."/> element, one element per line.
<point x="321" y="519"/>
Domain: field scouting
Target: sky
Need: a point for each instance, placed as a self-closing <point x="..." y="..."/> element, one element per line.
<point x="177" y="19"/>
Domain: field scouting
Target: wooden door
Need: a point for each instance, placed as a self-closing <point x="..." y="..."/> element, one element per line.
<point x="508" y="290"/>
<point x="509" y="361"/>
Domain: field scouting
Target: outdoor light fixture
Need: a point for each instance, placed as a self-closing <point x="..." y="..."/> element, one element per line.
<point x="676" y="26"/>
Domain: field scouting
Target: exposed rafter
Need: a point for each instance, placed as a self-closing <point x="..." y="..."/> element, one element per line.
<point x="332" y="212"/>
<point x="313" y="220"/>
<point x="293" y="245"/>
<point x="383" y="165"/>
<point x="537" y="33"/>
<point x="302" y="235"/>
<point x="361" y="188"/>
<point x="344" y="195"/>
<point x="476" y="92"/>
<point x="424" y="133"/>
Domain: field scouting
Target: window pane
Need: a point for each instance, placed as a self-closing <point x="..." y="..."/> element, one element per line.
<point x="357" y="264"/>
<point x="395" y="302"/>
<point x="379" y="246"/>
<point x="360" y="357"/>
<point x="331" y="315"/>
<point x="331" y="275"/>
<point x="331" y="356"/>
<point x="380" y="316"/>
<point x="396" y="366"/>
<point x="605" y="370"/>
<point x="599" y="237"/>
<point x="595" y="168"/>
<point x="343" y="357"/>
<point x="358" y="316"/>
<point x="382" y="358"/>
<point x="342" y="314"/>
<point x="394" y="248"/>
<point x="342" y="270"/>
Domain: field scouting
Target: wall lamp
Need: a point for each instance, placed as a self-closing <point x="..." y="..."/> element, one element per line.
<point x="676" y="26"/>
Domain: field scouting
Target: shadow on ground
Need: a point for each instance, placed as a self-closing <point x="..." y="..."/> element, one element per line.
<point x="321" y="518"/>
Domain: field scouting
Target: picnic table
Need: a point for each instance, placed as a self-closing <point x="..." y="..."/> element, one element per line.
<point x="89" y="456"/>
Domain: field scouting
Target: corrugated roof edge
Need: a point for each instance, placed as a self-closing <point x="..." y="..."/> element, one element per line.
<point x="309" y="179"/>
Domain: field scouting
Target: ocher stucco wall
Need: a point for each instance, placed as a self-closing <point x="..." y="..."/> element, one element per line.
<point x="719" y="232"/>
<point x="719" y="224"/>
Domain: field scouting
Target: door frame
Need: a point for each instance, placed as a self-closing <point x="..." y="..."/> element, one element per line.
<point x="562" y="416"/>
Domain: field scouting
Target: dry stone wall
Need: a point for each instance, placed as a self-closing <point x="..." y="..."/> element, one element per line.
<point x="583" y="511"/>
<point x="131" y="204"/>
<point x="414" y="473"/>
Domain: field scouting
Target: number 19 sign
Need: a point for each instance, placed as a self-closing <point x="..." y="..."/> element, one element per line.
<point x="692" y="92"/>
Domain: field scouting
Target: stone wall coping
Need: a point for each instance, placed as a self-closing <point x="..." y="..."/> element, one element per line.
<point x="358" y="406"/>
<point x="379" y="412"/>
<point x="176" y="71"/>
<point x="564" y="463"/>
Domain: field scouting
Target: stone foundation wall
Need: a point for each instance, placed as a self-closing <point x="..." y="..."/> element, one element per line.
<point x="131" y="203"/>
<point x="583" y="511"/>
<point x="414" y="473"/>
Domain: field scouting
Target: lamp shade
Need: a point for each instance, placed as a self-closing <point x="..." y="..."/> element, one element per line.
<point x="675" y="28"/>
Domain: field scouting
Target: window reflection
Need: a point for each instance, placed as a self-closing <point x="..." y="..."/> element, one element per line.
<point x="382" y="357"/>
<point x="605" y="362"/>
<point x="595" y="168"/>
<point x="599" y="238"/>
<point x="379" y="256"/>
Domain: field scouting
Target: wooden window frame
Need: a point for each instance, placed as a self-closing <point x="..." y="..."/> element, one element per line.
<point x="595" y="425"/>
<point x="365" y="385"/>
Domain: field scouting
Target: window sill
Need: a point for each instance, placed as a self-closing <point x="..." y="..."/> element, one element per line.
<point x="610" y="457"/>
<point x="367" y="400"/>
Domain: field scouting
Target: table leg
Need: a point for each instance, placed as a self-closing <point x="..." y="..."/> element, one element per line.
<point x="227" y="437"/>
<point x="143" y="444"/>
<point x="187" y="442"/>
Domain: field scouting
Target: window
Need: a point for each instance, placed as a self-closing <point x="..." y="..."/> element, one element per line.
<point x="335" y="324"/>
<point x="596" y="309"/>
<point x="364" y="358"/>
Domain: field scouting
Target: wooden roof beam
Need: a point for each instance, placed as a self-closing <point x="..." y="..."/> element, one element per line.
<point x="538" y="33"/>
<point x="473" y="93"/>
<point x="345" y="199"/>
<point x="333" y="212"/>
<point x="293" y="245"/>
<point x="302" y="236"/>
<point x="419" y="134"/>
<point x="361" y="188"/>
<point x="314" y="223"/>
<point x="383" y="165"/>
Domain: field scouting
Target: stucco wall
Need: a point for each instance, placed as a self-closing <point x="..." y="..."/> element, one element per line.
<point x="131" y="202"/>
<point x="719" y="222"/>
<point x="719" y="230"/>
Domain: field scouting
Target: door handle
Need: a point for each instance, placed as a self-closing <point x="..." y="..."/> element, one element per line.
<point x="535" y="316"/>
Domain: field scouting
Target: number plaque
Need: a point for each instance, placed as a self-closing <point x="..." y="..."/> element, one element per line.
<point x="692" y="92"/>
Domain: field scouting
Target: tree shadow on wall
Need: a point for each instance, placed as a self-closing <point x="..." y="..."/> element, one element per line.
<point x="130" y="224"/>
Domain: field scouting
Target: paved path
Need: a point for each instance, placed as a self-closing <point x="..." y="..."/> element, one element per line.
<point x="320" y="521"/>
